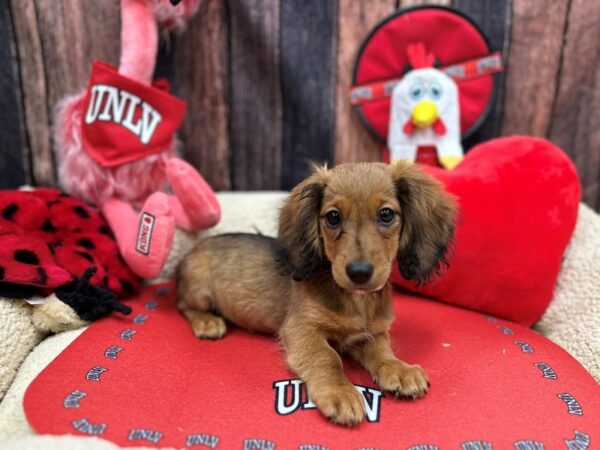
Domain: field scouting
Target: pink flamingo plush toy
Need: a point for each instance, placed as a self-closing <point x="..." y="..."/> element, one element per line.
<point x="116" y="143"/>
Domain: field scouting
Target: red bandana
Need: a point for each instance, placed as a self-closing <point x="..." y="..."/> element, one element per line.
<point x="124" y="120"/>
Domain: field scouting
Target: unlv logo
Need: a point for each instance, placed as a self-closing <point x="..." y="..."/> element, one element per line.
<point x="580" y="442"/>
<point x="127" y="334"/>
<point x="72" y="400"/>
<point x="573" y="406"/>
<point x="145" y="434"/>
<point x="109" y="104"/>
<point x="87" y="427"/>
<point x="547" y="371"/>
<point x="290" y="396"/>
<point x="94" y="373"/>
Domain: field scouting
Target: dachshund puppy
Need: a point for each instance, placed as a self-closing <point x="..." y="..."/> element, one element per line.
<point x="323" y="284"/>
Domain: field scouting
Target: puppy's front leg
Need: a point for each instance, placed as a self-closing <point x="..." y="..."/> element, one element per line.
<point x="377" y="356"/>
<point x="320" y="367"/>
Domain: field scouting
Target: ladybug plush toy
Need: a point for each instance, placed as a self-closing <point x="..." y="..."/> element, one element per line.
<point x="58" y="252"/>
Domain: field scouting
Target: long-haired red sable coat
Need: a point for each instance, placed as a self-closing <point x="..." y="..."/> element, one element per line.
<point x="322" y="285"/>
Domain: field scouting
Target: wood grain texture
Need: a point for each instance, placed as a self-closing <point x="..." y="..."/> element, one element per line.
<point x="255" y="103"/>
<point x="33" y="83"/>
<point x="575" y="124"/>
<point x="493" y="18"/>
<point x="291" y="64"/>
<point x="165" y="62"/>
<point x="533" y="64"/>
<point x="356" y="18"/>
<point x="407" y="3"/>
<point x="13" y="156"/>
<point x="202" y="66"/>
<point x="307" y="55"/>
<point x="73" y="33"/>
<point x="57" y="41"/>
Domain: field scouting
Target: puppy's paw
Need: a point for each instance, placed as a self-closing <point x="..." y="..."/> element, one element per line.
<point x="404" y="380"/>
<point x="342" y="404"/>
<point x="208" y="326"/>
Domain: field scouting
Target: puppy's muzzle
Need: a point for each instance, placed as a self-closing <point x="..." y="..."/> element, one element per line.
<point x="359" y="272"/>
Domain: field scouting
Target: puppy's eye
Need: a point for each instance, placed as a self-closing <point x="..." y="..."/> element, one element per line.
<point x="385" y="216"/>
<point x="333" y="219"/>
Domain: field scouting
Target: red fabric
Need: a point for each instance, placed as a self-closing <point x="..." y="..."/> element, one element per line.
<point x="409" y="126"/>
<point x="116" y="138"/>
<point x="449" y="36"/>
<point x="419" y="57"/>
<point x="438" y="127"/>
<point x="491" y="381"/>
<point x="47" y="239"/>
<point x="518" y="200"/>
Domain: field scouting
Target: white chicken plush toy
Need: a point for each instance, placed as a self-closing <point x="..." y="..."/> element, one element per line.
<point x="425" y="112"/>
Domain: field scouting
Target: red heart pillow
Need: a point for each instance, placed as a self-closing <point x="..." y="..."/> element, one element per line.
<point x="518" y="200"/>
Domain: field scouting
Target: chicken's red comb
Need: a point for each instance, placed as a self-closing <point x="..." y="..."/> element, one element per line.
<point x="418" y="56"/>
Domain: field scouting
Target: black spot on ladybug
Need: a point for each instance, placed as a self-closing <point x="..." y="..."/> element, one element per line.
<point x="26" y="257"/>
<point x="2" y="273"/>
<point x="127" y="286"/>
<point x="48" y="227"/>
<point x="85" y="255"/>
<point x="81" y="212"/>
<point x="42" y="276"/>
<point x="10" y="211"/>
<point x="77" y="230"/>
<point x="105" y="230"/>
<point x="85" y="242"/>
<point x="51" y="248"/>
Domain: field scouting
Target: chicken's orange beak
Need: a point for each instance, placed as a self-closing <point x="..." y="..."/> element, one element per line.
<point x="424" y="113"/>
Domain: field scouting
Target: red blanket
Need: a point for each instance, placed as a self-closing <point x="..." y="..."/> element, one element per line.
<point x="148" y="381"/>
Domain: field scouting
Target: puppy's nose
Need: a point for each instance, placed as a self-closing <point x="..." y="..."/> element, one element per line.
<point x="359" y="272"/>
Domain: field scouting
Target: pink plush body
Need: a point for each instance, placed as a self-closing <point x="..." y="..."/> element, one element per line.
<point x="121" y="190"/>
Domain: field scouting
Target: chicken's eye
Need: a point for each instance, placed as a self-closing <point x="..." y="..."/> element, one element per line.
<point x="417" y="91"/>
<point x="435" y="90"/>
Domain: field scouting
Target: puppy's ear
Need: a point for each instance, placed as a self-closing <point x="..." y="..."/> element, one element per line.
<point x="428" y="215"/>
<point x="301" y="248"/>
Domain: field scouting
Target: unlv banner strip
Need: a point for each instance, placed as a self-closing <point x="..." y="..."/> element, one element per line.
<point x="468" y="70"/>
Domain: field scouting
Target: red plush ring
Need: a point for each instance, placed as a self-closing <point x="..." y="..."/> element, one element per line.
<point x="378" y="59"/>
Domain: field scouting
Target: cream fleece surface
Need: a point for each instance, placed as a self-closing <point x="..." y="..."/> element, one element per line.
<point x="12" y="415"/>
<point x="60" y="443"/>
<point x="572" y="320"/>
<point x="17" y="337"/>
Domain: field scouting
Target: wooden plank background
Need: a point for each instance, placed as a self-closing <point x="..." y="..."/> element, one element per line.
<point x="266" y="81"/>
<point x="12" y="138"/>
<point x="202" y="69"/>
